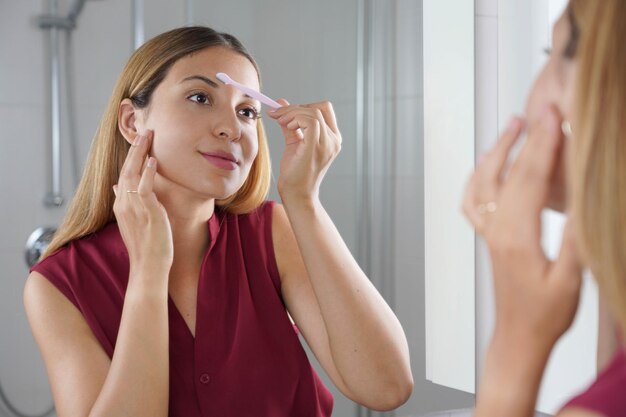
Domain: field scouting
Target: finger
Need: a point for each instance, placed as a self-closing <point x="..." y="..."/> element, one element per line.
<point x="310" y="126"/>
<point x="328" y="114"/>
<point x="491" y="167"/>
<point x="531" y="174"/>
<point x="566" y="271"/>
<point x="526" y="190"/>
<point x="145" y="188"/>
<point x="135" y="159"/>
<point x="291" y="132"/>
<point x="276" y="113"/>
<point x="290" y="113"/>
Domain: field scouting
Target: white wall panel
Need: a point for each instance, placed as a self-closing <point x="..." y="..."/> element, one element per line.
<point x="448" y="159"/>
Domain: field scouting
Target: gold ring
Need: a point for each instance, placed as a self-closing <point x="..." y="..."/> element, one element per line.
<point x="132" y="191"/>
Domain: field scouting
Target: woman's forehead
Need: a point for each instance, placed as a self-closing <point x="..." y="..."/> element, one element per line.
<point x="210" y="61"/>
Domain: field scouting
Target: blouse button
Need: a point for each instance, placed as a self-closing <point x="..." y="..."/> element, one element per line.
<point x="205" y="378"/>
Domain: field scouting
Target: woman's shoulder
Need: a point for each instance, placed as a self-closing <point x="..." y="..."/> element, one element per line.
<point x="105" y="240"/>
<point x="606" y="395"/>
<point x="83" y="257"/>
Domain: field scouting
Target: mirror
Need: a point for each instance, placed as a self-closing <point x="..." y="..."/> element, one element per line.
<point x="365" y="56"/>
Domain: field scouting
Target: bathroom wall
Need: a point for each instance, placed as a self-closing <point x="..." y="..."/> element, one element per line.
<point x="102" y="43"/>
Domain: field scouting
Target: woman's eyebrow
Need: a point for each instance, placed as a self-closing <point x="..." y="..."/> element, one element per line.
<point x="209" y="81"/>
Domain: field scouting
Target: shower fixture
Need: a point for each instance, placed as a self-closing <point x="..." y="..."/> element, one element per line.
<point x="54" y="23"/>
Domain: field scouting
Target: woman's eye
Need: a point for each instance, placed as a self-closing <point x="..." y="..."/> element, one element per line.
<point x="199" y="98"/>
<point x="250" y="113"/>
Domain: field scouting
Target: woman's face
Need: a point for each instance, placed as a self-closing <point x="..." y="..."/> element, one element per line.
<point x="205" y="133"/>
<point x="555" y="84"/>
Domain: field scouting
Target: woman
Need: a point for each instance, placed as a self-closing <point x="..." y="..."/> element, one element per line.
<point x="165" y="290"/>
<point x="576" y="121"/>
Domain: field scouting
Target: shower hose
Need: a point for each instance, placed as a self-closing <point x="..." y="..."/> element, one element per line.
<point x="15" y="412"/>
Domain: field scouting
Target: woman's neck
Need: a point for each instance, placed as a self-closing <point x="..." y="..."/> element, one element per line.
<point x="188" y="215"/>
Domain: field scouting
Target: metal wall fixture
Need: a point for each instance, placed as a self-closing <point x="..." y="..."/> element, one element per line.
<point x="54" y="24"/>
<point x="138" y="29"/>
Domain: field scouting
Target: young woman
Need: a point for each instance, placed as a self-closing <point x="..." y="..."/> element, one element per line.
<point x="576" y="122"/>
<point x="166" y="288"/>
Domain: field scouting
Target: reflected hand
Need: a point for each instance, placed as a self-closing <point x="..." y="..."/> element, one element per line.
<point x="141" y="218"/>
<point x="312" y="142"/>
<point x="536" y="299"/>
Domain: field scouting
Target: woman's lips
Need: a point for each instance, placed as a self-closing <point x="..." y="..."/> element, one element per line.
<point x="222" y="160"/>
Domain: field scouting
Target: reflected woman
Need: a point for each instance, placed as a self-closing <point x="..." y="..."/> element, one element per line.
<point x="576" y="125"/>
<point x="167" y="289"/>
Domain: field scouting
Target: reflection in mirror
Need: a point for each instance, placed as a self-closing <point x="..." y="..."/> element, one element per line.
<point x="364" y="56"/>
<point x="520" y="59"/>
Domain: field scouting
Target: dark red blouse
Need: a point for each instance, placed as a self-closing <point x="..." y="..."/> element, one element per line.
<point x="607" y="395"/>
<point x="246" y="359"/>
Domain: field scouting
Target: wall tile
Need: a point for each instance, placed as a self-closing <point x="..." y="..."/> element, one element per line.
<point x="18" y="85"/>
<point x="25" y="173"/>
<point x="409" y="119"/>
<point x="102" y="45"/>
<point x="409" y="49"/>
<point x="162" y="15"/>
<point x="308" y="64"/>
<point x="486" y="7"/>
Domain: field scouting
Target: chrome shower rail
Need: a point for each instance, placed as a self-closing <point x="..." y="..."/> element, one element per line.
<point x="55" y="23"/>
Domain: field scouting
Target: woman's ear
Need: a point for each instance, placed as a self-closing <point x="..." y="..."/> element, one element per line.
<point x="126" y="120"/>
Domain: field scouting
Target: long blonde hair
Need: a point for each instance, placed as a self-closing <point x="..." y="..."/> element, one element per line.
<point x="598" y="165"/>
<point x="92" y="205"/>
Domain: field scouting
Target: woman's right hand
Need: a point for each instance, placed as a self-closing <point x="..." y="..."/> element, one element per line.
<point x="141" y="218"/>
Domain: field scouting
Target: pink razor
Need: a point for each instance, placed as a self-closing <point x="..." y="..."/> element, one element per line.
<point x="247" y="90"/>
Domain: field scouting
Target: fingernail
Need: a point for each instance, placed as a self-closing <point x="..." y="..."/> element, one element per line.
<point x="151" y="162"/>
<point x="551" y="123"/>
<point x="138" y="140"/>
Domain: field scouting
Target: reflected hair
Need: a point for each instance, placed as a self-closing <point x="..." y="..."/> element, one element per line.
<point x="598" y="159"/>
<point x="92" y="206"/>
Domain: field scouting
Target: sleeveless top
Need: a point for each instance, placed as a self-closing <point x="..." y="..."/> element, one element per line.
<point x="246" y="359"/>
<point x="607" y="395"/>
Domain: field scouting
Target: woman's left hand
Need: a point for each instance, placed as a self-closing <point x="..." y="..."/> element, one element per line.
<point x="536" y="299"/>
<point x="312" y="142"/>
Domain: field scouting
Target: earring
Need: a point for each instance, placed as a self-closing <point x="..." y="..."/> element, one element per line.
<point x="566" y="128"/>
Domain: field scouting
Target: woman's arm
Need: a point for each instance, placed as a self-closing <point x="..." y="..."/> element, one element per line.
<point x="509" y="386"/>
<point x="84" y="381"/>
<point x="135" y="382"/>
<point x="346" y="322"/>
<point x="536" y="298"/>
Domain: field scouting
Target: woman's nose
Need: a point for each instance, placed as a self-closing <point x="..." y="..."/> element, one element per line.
<point x="227" y="125"/>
